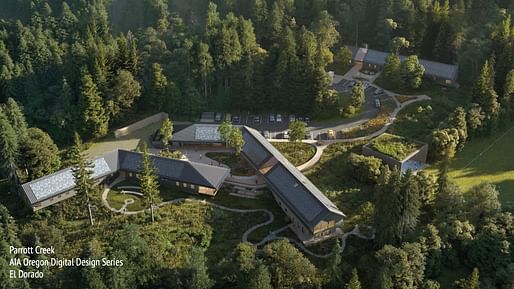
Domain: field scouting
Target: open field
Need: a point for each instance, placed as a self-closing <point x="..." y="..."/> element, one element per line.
<point x="487" y="160"/>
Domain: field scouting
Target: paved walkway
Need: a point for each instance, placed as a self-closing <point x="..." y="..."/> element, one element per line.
<point x="314" y="160"/>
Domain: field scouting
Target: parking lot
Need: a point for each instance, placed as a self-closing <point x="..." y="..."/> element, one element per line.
<point x="274" y="125"/>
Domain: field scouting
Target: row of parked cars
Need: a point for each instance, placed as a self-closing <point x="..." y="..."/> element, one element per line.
<point x="272" y="118"/>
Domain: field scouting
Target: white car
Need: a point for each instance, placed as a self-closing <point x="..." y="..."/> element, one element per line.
<point x="378" y="91"/>
<point x="377" y="103"/>
<point x="292" y="118"/>
<point x="279" y="118"/>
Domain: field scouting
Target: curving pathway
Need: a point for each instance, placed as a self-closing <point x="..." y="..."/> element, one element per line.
<point x="271" y="237"/>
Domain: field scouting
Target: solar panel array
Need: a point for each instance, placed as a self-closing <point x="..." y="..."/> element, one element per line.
<point x="209" y="133"/>
<point x="64" y="180"/>
<point x="295" y="193"/>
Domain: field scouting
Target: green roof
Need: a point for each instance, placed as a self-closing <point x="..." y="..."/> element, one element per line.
<point x="397" y="147"/>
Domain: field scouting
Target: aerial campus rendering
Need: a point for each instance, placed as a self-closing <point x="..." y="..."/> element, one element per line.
<point x="257" y="144"/>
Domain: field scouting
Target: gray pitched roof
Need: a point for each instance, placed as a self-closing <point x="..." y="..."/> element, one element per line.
<point x="206" y="133"/>
<point x="432" y="68"/>
<point x="62" y="181"/>
<point x="300" y="194"/>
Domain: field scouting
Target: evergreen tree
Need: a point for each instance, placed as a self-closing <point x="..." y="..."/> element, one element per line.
<point x="457" y="120"/>
<point x="507" y="100"/>
<point x="391" y="70"/>
<point x="166" y="132"/>
<point x="200" y="277"/>
<point x="16" y="118"/>
<point x="124" y="90"/>
<point x="39" y="154"/>
<point x="94" y="117"/>
<point x="260" y="279"/>
<point x="148" y="181"/>
<point x="8" y="147"/>
<point x="354" y="282"/>
<point x="156" y="88"/>
<point x="83" y="174"/>
<point x="483" y="93"/>
<point x="205" y="65"/>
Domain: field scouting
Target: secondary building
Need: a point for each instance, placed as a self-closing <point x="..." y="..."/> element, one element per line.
<point x="398" y="151"/>
<point x="375" y="60"/>
<point x="313" y="216"/>
<point x="184" y="175"/>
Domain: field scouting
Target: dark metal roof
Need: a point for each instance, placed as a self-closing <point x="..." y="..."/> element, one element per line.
<point x="432" y="68"/>
<point x="62" y="181"/>
<point x="297" y="191"/>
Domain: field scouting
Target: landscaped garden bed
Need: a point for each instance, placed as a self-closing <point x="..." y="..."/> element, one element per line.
<point x="238" y="166"/>
<point x="297" y="153"/>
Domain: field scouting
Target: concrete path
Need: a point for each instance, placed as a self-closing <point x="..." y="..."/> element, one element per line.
<point x="314" y="160"/>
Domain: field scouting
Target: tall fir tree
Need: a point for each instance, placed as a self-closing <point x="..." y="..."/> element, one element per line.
<point x="483" y="93"/>
<point x="9" y="147"/>
<point x="82" y="171"/>
<point x="148" y="181"/>
<point x="95" y="119"/>
<point x="354" y="282"/>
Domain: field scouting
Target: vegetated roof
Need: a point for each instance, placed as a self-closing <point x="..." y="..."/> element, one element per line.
<point x="300" y="195"/>
<point x="177" y="170"/>
<point x="432" y="68"/>
<point x="397" y="147"/>
<point x="198" y="133"/>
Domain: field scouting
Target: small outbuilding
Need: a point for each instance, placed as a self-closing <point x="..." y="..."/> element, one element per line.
<point x="398" y="151"/>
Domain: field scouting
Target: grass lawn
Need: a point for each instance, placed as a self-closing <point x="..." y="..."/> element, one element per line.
<point x="128" y="142"/>
<point x="297" y="153"/>
<point x="487" y="160"/>
<point x="237" y="164"/>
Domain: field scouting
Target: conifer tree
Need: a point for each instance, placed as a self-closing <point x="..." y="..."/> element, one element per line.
<point x="16" y="118"/>
<point x="83" y="174"/>
<point x="200" y="277"/>
<point x="483" y="93"/>
<point x="8" y="147"/>
<point x="39" y="154"/>
<point x="354" y="282"/>
<point x="94" y="116"/>
<point x="166" y="132"/>
<point x="260" y="278"/>
<point x="148" y="181"/>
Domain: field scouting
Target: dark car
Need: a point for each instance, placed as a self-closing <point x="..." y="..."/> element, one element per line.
<point x="236" y="119"/>
<point x="257" y="119"/>
<point x="217" y="118"/>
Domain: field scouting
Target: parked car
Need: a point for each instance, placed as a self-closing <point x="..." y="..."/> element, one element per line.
<point x="266" y="134"/>
<point x="307" y="119"/>
<point x="352" y="83"/>
<point x="271" y="118"/>
<point x="377" y="103"/>
<point x="279" y="118"/>
<point x="286" y="135"/>
<point x="366" y="85"/>
<point x="257" y="119"/>
<point x="236" y="119"/>
<point x="292" y="118"/>
<point x="379" y="91"/>
<point x="228" y="117"/>
<point x="217" y="117"/>
<point x="300" y="118"/>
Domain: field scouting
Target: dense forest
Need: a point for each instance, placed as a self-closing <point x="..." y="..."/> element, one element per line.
<point x="88" y="66"/>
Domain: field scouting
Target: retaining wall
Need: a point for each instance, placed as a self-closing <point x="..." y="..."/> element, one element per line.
<point x="140" y="124"/>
